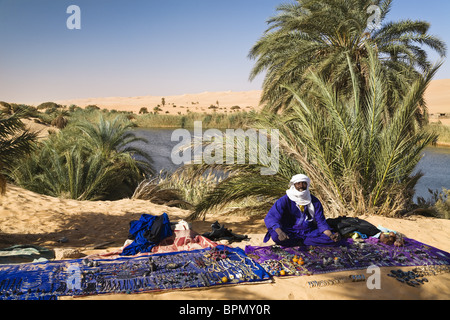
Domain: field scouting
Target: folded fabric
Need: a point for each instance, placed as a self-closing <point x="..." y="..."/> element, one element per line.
<point x="25" y="253"/>
<point x="183" y="240"/>
<point x="147" y="232"/>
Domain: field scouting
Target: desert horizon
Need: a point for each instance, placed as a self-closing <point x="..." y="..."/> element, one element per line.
<point x="437" y="97"/>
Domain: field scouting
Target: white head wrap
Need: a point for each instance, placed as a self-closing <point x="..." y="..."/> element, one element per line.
<point x="301" y="198"/>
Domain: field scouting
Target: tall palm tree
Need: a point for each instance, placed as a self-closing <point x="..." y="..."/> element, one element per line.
<point x="360" y="159"/>
<point x="319" y="34"/>
<point x="15" y="142"/>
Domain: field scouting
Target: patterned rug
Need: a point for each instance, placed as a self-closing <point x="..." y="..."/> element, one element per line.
<point x="279" y="261"/>
<point x="168" y="271"/>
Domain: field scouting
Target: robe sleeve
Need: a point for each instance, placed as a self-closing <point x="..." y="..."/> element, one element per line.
<point x="273" y="217"/>
<point x="322" y="224"/>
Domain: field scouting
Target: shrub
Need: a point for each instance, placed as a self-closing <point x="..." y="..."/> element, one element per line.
<point x="85" y="161"/>
<point x="48" y="105"/>
<point x="143" y="110"/>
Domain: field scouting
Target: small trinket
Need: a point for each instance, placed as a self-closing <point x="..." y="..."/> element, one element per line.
<point x="172" y="266"/>
<point x="152" y="265"/>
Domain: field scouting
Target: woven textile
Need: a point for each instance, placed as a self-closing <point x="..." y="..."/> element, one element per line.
<point x="168" y="271"/>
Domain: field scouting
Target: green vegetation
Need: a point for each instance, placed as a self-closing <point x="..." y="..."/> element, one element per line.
<point x="438" y="205"/>
<point x="15" y="142"/>
<point x="215" y="120"/>
<point x="360" y="157"/>
<point x="347" y="100"/>
<point x="350" y="107"/>
<point x="318" y="36"/>
<point x="84" y="161"/>
<point x="181" y="188"/>
<point x="442" y="131"/>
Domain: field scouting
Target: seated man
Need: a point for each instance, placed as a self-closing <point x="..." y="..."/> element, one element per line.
<point x="297" y="218"/>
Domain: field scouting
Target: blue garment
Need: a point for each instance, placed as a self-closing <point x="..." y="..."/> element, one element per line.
<point x="298" y="225"/>
<point x="145" y="229"/>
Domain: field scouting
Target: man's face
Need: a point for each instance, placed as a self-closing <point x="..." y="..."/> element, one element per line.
<point x="301" y="186"/>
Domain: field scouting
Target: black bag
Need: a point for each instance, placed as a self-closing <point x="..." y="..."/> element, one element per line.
<point x="219" y="232"/>
<point x="345" y="225"/>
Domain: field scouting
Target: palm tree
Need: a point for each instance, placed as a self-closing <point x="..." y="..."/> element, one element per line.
<point x="318" y="35"/>
<point x="15" y="142"/>
<point x="360" y="159"/>
<point x="112" y="137"/>
<point x="85" y="162"/>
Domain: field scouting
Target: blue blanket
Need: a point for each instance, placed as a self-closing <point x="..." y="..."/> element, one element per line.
<point x="177" y="270"/>
<point x="147" y="232"/>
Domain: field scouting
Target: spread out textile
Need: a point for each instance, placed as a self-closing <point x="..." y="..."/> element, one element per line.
<point x="167" y="271"/>
<point x="351" y="256"/>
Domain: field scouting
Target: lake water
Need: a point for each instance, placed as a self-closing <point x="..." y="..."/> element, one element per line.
<point x="435" y="164"/>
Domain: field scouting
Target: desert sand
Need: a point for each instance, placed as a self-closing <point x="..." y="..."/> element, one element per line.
<point x="246" y="100"/>
<point x="437" y="97"/>
<point x="29" y="218"/>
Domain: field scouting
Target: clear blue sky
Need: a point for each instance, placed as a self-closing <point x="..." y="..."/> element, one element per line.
<point x="136" y="47"/>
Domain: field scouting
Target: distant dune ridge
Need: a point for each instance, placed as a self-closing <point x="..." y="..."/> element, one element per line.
<point x="225" y="100"/>
<point x="437" y="96"/>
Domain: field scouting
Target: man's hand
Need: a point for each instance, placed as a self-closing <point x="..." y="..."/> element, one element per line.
<point x="333" y="236"/>
<point x="281" y="235"/>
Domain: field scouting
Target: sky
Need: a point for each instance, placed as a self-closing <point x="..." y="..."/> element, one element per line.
<point x="147" y="47"/>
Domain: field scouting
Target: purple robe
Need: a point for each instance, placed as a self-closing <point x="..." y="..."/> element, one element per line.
<point x="302" y="227"/>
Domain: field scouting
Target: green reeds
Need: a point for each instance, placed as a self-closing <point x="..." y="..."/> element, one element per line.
<point x="441" y="130"/>
<point x="180" y="188"/>
<point x="215" y="120"/>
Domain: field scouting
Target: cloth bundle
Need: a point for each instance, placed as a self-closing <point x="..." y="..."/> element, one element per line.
<point x="147" y="232"/>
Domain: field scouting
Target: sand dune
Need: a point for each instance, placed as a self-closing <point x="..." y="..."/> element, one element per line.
<point x="437" y="96"/>
<point x="246" y="100"/>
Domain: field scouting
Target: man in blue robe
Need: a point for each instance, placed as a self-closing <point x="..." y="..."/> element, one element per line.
<point x="297" y="218"/>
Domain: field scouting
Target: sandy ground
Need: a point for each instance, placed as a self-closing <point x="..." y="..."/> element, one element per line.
<point x="29" y="218"/>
